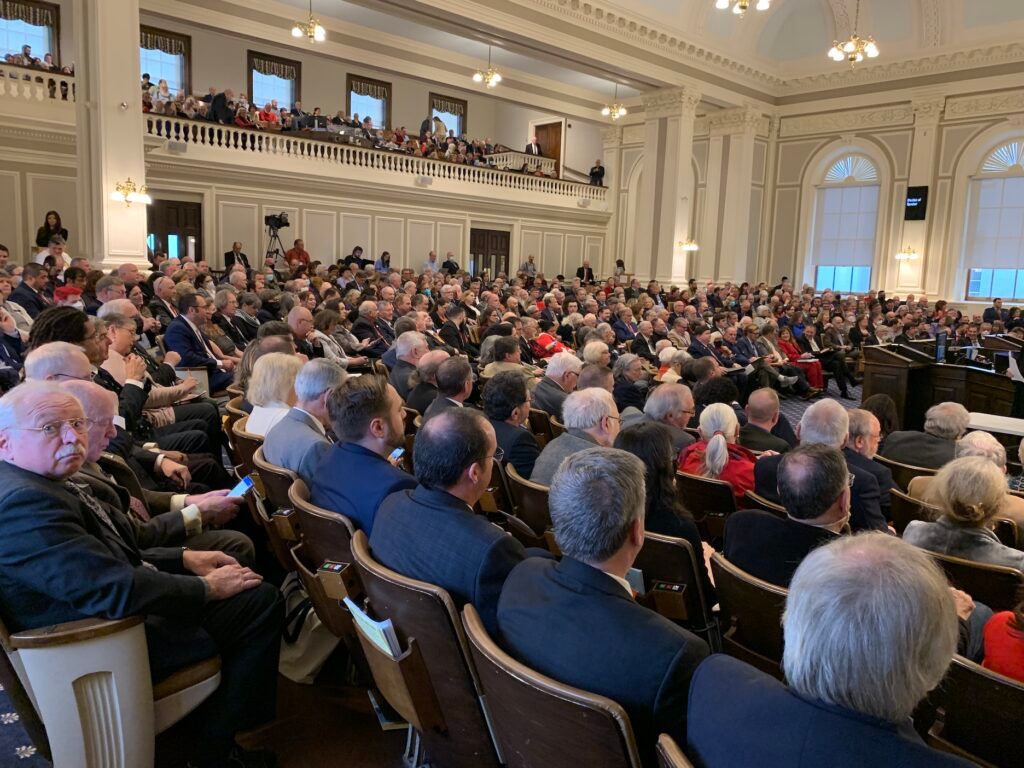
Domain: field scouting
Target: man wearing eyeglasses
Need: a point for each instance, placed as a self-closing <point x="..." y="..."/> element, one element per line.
<point x="65" y="557"/>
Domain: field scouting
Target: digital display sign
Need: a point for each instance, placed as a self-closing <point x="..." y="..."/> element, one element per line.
<point x="917" y="204"/>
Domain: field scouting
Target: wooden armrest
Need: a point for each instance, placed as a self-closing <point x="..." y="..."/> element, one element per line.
<point x="71" y="632"/>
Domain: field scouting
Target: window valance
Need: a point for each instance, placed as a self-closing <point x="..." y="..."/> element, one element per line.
<point x="275" y="67"/>
<point x="449" y="106"/>
<point x="157" y="40"/>
<point x="371" y="88"/>
<point x="36" y="14"/>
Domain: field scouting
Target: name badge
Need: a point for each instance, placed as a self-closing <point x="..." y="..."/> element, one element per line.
<point x="119" y="422"/>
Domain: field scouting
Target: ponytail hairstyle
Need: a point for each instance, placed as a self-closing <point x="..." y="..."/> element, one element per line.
<point x="718" y="425"/>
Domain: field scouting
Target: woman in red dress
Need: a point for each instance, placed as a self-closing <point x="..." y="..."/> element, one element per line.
<point x="811" y="367"/>
<point x="717" y="454"/>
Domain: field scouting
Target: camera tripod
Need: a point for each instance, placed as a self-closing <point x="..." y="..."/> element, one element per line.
<point x="275" y="240"/>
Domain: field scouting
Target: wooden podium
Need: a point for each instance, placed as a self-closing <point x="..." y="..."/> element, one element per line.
<point x="916" y="383"/>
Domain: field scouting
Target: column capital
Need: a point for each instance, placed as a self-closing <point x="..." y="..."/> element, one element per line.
<point x="739" y="120"/>
<point x="671" y="102"/>
<point x="612" y="136"/>
<point x="928" y="109"/>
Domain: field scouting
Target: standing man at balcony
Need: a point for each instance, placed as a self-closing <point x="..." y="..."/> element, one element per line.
<point x="533" y="148"/>
<point x="597" y="174"/>
<point x="220" y="107"/>
<point x="298" y="253"/>
<point x="235" y="256"/>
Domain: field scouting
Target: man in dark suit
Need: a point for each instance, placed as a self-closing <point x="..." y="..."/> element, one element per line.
<point x="861" y="449"/>
<point x="221" y="108"/>
<point x="944" y="424"/>
<point x="300" y="320"/>
<point x="623" y="325"/>
<point x="668" y="404"/>
<point x="64" y="556"/>
<point x="453" y="331"/>
<point x="164" y="302"/>
<point x="827" y="423"/>
<point x="506" y="401"/>
<point x="847" y="705"/>
<point x="29" y="293"/>
<point x="560" y="377"/>
<point x="995" y="312"/>
<point x="184" y="337"/>
<point x="365" y="328"/>
<point x="533" y="148"/>
<point x="576" y="620"/>
<point x="762" y="415"/>
<point x="454" y="386"/>
<point x="235" y="256"/>
<point x="424" y="386"/>
<point x="643" y="343"/>
<point x="597" y="174"/>
<point x="355" y="475"/>
<point x="431" y="532"/>
<point x="409" y="349"/>
<point x="814" y="489"/>
<point x="832" y="360"/>
<point x="585" y="274"/>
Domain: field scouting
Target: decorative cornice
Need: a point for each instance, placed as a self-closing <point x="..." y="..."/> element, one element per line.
<point x="841" y="122"/>
<point x="931" y="22"/>
<point x="633" y="134"/>
<point x="611" y="136"/>
<point x="740" y="120"/>
<point x="986" y="104"/>
<point x="928" y="111"/>
<point x="37" y="134"/>
<point x="671" y="102"/>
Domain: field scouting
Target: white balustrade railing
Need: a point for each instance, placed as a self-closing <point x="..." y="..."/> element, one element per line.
<point x="35" y="85"/>
<point x="266" y="143"/>
<point x="516" y="160"/>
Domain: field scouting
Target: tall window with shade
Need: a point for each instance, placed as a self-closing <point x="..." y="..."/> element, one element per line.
<point x="370" y="98"/>
<point x="845" y="225"/>
<point x="166" y="56"/>
<point x="449" y="114"/>
<point x="32" y="23"/>
<point x="994" y="243"/>
<point x="272" y="78"/>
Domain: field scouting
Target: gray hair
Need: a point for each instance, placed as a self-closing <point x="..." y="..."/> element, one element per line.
<point x="594" y="351"/>
<point x="946" y="420"/>
<point x="623" y="363"/>
<point x="220" y="299"/>
<point x="366" y="308"/>
<point x="595" y="497"/>
<point x="860" y="423"/>
<point x="982" y="444"/>
<point x="971" y="490"/>
<point x="718" y="427"/>
<point x="50" y="359"/>
<point x="122" y="307"/>
<point x="409" y="342"/>
<point x="826" y="422"/>
<point x="14" y="404"/>
<point x="876" y="586"/>
<point x="666" y="400"/>
<point x="316" y="377"/>
<point x="585" y="408"/>
<point x="561" y="364"/>
<point x="810" y="479"/>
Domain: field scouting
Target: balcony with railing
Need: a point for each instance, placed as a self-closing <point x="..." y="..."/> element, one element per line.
<point x="208" y="144"/>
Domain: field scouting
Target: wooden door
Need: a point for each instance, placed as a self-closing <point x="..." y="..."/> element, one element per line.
<point x="549" y="136"/>
<point x="176" y="228"/>
<point x="489" y="250"/>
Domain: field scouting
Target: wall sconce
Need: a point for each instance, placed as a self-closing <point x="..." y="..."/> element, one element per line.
<point x="906" y="253"/>
<point x="689" y="246"/>
<point x="127" y="192"/>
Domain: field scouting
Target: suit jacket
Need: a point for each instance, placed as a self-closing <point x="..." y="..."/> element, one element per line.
<point x="247" y="327"/>
<point x="576" y="624"/>
<point x="353" y="481"/>
<point x="644" y="347"/>
<point x="421" y="396"/>
<point x="297" y="444"/>
<point x="623" y="331"/>
<point x="865" y="501"/>
<point x="386" y="330"/>
<point x="364" y="329"/>
<point x="59" y="562"/>
<point x="29" y="300"/>
<point x="182" y="339"/>
<point x="162" y="312"/>
<point x="399" y="377"/>
<point x="882" y="474"/>
<point x="220" y="111"/>
<point x="454" y="337"/>
<point x="441" y="403"/>
<point x="166" y="529"/>
<point x="833" y="338"/>
<point x="229" y="261"/>
<point x="430" y="535"/>
<point x="572" y="441"/>
<point x="627" y="393"/>
<point x="585" y="274"/>
<point x="131" y="402"/>
<point x="918" y="449"/>
<point x="532" y="149"/>
<point x="231" y="330"/>
<point x="680" y="437"/>
<point x="757" y="439"/>
<point x="548" y="396"/>
<point x="518" y="444"/>
<point x="770" y="547"/>
<point x="743" y="717"/>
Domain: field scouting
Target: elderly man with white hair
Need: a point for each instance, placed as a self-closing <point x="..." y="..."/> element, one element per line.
<point x="826" y="422"/>
<point x="409" y="348"/>
<point x="668" y="404"/>
<point x="847" y="704"/>
<point x="944" y="424"/>
<point x="591" y="419"/>
<point x="560" y="377"/>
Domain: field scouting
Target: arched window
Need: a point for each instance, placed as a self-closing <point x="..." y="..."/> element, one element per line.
<point x="994" y="243"/>
<point x="845" y="221"/>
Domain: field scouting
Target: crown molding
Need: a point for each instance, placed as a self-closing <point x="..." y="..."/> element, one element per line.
<point x="846" y="122"/>
<point x="984" y="104"/>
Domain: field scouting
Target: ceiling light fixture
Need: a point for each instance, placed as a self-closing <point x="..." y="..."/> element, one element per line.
<point x="491" y="77"/>
<point x="311" y="29"/>
<point x="856" y="48"/>
<point x="616" y="109"/>
<point x="740" y="7"/>
<point x="906" y="253"/>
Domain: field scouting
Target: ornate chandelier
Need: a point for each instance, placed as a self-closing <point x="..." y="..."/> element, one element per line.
<point x="491" y="77"/>
<point x="311" y="29"/>
<point x="856" y="48"/>
<point x="739" y="7"/>
<point x="615" y="110"/>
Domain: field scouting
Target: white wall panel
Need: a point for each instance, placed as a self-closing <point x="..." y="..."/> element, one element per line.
<point x="389" y="235"/>
<point x="421" y="238"/>
<point x="575" y="252"/>
<point x="11" y="232"/>
<point x="552" y="257"/>
<point x="237" y="221"/>
<point x="451" y="237"/>
<point x="594" y="249"/>
<point x="288" y="235"/>
<point x="320" y="233"/>
<point x="52" y="193"/>
<point x="530" y="244"/>
<point x="355" y="230"/>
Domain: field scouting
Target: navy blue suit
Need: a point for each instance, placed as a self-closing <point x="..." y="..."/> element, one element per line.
<point x="182" y="339"/>
<point x="518" y="444"/>
<point x="29" y="300"/>
<point x="353" y="481"/>
<point x="741" y="717"/>
<point x="576" y="624"/>
<point x="624" y="331"/>
<point x="435" y="537"/>
<point x="882" y="474"/>
<point x="865" y="498"/>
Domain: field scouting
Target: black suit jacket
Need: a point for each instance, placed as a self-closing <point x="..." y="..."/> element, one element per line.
<point x="421" y="396"/>
<point x="432" y="536"/>
<point x="454" y="337"/>
<point x="756" y="439"/>
<point x="533" y="149"/>
<point x="585" y="274"/>
<point x="743" y="717"/>
<point x="161" y="312"/>
<point x="220" y="111"/>
<point x="578" y="625"/>
<point x="400" y="373"/>
<point x="29" y="300"/>
<point x="518" y="444"/>
<point x="364" y="329"/>
<point x="770" y="547"/>
<point x="882" y="474"/>
<point x="229" y="261"/>
<point x="865" y="502"/>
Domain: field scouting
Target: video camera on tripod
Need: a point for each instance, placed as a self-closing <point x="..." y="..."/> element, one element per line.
<point x="274" y="223"/>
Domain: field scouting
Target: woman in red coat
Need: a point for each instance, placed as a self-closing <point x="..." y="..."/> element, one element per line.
<point x="811" y="367"/>
<point x="717" y="455"/>
<point x="1004" y="643"/>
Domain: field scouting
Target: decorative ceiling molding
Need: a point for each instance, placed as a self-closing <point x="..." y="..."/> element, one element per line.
<point x="842" y="122"/>
<point x="931" y="23"/>
<point x="841" y="19"/>
<point x="985" y="104"/>
<point x="673" y="102"/>
<point x="739" y="120"/>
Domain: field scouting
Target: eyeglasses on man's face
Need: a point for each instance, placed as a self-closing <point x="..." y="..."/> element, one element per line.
<point x="55" y="428"/>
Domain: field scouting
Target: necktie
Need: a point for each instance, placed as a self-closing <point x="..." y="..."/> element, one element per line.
<point x="97" y="509"/>
<point x="137" y="506"/>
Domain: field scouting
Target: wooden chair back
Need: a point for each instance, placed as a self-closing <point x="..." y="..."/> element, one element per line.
<point x="246" y="444"/>
<point x="530" y="500"/>
<point x="326" y="535"/>
<point x="557" y="427"/>
<point x="997" y="586"/>
<point x="426" y="613"/>
<point x="540" y="425"/>
<point x="410" y="420"/>
<point x="1009" y="532"/>
<point x="670" y="755"/>
<point x="671" y="561"/>
<point x="979" y="712"/>
<point x="902" y="474"/>
<point x="750" y="615"/>
<point x="276" y="480"/>
<point x="539" y="721"/>
<point x="906" y="509"/>
<point x="709" y="501"/>
<point x="757" y="501"/>
<point x="328" y="609"/>
<point x="233" y="407"/>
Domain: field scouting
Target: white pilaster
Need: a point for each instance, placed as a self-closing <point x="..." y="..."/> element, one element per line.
<point x="109" y="126"/>
<point x="613" y="181"/>
<point x="735" y="260"/>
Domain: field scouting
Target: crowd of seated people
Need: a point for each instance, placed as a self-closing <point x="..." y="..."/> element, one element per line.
<point x="25" y="58"/>
<point x="121" y="461"/>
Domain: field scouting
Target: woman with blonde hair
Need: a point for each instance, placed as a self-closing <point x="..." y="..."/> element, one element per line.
<point x="717" y="454"/>
<point x="271" y="390"/>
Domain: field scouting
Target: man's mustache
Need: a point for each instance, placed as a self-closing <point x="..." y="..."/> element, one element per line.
<point x="71" y="450"/>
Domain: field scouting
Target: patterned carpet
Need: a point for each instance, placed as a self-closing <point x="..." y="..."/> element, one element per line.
<point x="793" y="407"/>
<point x="15" y="746"/>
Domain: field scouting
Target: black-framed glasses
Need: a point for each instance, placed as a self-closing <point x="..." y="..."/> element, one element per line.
<point x="90" y="377"/>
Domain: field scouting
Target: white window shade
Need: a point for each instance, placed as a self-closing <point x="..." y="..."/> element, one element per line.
<point x="845" y="226"/>
<point x="995" y="234"/>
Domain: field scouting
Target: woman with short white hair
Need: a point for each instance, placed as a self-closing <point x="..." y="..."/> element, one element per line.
<point x="672" y="361"/>
<point x="271" y="390"/>
<point x="717" y="454"/>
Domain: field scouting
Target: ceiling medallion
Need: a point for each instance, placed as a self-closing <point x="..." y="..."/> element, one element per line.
<point x="739" y="7"/>
<point x="856" y="48"/>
